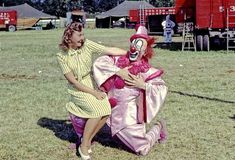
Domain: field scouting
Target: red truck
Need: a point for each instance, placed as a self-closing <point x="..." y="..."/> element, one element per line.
<point x="214" y="20"/>
<point x="152" y="17"/>
<point x="8" y="20"/>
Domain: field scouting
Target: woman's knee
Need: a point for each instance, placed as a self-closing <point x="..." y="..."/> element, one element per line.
<point x="105" y="117"/>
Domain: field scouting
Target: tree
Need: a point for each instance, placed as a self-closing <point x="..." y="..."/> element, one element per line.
<point x="74" y="5"/>
<point x="7" y="3"/>
<point x="90" y="6"/>
<point x="54" y="7"/>
<point x="162" y="3"/>
<point x="105" y="5"/>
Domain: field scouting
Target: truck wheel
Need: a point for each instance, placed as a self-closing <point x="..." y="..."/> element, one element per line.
<point x="199" y="43"/>
<point x="206" y="42"/>
<point x="11" y="28"/>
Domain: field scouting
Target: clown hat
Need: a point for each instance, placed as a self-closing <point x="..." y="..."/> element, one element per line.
<point x="142" y="32"/>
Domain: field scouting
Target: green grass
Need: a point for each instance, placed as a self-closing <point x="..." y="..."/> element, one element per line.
<point x="199" y="109"/>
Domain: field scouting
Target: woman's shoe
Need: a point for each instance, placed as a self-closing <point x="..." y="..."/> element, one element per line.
<point x="163" y="132"/>
<point x="83" y="157"/>
<point x="89" y="150"/>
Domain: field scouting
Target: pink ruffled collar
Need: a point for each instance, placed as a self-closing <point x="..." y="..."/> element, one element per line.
<point x="137" y="66"/>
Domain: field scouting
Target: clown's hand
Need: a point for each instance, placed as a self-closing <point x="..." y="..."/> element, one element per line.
<point x="123" y="73"/>
<point x="135" y="81"/>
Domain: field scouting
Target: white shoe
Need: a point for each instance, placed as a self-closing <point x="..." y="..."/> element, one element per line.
<point x="89" y="150"/>
<point x="83" y="157"/>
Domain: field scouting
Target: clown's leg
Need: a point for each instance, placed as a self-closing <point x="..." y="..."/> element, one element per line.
<point x="165" y="36"/>
<point x="136" y="138"/>
<point x="169" y="38"/>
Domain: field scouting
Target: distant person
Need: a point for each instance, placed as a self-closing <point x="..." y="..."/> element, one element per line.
<point x="50" y="25"/>
<point x="168" y="26"/>
<point x="79" y="16"/>
<point x="87" y="104"/>
<point x="71" y="6"/>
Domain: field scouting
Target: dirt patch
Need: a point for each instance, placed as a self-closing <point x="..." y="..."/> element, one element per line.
<point x="231" y="71"/>
<point x="17" y="76"/>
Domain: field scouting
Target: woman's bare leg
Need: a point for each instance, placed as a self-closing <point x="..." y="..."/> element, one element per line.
<point x="89" y="129"/>
<point x="99" y="126"/>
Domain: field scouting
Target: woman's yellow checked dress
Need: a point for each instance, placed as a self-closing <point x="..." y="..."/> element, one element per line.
<point x="79" y="62"/>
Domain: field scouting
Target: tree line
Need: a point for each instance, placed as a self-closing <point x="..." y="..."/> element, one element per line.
<point x="60" y="7"/>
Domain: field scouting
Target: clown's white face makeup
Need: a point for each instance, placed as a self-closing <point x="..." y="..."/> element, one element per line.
<point x="137" y="49"/>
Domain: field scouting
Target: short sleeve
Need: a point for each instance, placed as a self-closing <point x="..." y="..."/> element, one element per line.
<point x="63" y="64"/>
<point x="95" y="47"/>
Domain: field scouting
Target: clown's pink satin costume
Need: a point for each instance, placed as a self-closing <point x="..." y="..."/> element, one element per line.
<point x="132" y="107"/>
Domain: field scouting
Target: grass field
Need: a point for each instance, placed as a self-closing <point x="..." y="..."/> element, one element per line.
<point x="199" y="109"/>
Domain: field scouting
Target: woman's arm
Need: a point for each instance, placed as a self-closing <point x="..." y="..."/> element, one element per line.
<point x="98" y="94"/>
<point x="114" y="51"/>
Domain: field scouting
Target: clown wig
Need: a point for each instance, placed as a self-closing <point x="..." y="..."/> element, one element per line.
<point x="149" y="50"/>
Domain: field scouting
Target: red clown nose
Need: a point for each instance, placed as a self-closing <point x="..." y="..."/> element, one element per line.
<point x="132" y="49"/>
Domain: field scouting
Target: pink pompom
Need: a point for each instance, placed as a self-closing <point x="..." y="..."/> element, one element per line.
<point x="119" y="83"/>
<point x="113" y="102"/>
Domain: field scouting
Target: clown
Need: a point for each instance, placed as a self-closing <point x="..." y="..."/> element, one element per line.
<point x="136" y="93"/>
<point x="168" y="26"/>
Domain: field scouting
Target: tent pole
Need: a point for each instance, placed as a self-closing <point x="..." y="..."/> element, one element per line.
<point x="110" y="21"/>
<point x="55" y="23"/>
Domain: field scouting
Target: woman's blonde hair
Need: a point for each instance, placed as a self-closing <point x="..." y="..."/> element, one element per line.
<point x="68" y="32"/>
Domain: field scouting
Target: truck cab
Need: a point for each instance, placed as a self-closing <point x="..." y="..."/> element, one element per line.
<point x="8" y="20"/>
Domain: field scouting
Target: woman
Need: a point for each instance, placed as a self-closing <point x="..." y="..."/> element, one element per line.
<point x="86" y="102"/>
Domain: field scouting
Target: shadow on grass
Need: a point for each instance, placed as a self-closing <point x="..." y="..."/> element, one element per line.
<point x="233" y="118"/>
<point x="174" y="46"/>
<point x="202" y="97"/>
<point x="177" y="46"/>
<point x="63" y="129"/>
<point x="104" y="137"/>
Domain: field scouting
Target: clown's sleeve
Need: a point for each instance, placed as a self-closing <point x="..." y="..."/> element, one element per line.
<point x="104" y="69"/>
<point x="155" y="94"/>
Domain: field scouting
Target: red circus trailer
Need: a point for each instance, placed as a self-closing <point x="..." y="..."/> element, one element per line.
<point x="8" y="20"/>
<point x="214" y="20"/>
<point x="152" y="17"/>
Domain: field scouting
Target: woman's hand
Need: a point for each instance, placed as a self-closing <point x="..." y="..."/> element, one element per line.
<point x="124" y="73"/>
<point x="135" y="81"/>
<point x="99" y="95"/>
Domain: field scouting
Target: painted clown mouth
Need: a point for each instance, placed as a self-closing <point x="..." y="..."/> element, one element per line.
<point x="133" y="56"/>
